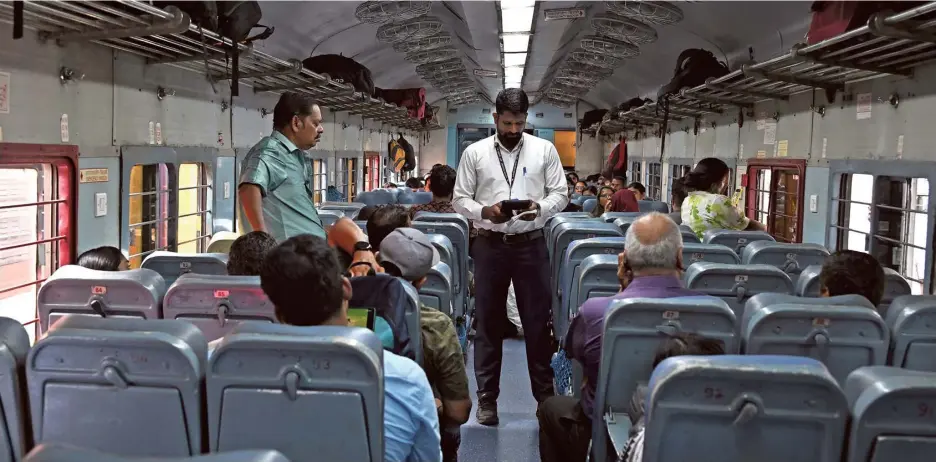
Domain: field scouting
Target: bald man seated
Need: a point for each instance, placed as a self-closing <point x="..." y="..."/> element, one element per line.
<point x="649" y="267"/>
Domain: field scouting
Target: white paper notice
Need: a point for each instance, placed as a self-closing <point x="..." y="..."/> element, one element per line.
<point x="64" y="127"/>
<point x="900" y="147"/>
<point x="770" y="133"/>
<point x="152" y="133"/>
<point x="158" y="133"/>
<point x="825" y="144"/>
<point x="761" y="120"/>
<point x="4" y="92"/>
<point x="864" y="106"/>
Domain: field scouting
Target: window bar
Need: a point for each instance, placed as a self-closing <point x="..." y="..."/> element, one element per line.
<point x="27" y="244"/>
<point x="32" y="204"/>
<point x="26" y="284"/>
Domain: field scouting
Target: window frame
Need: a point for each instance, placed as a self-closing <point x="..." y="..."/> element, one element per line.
<point x="64" y="161"/>
<point x="205" y="191"/>
<point x="652" y="175"/>
<point x="167" y="212"/>
<point x="319" y="181"/>
<point x="750" y="203"/>
<point x="674" y="163"/>
<point x="372" y="170"/>
<point x="636" y="170"/>
<point x="346" y="175"/>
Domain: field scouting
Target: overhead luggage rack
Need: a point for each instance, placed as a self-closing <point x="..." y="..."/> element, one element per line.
<point x="168" y="37"/>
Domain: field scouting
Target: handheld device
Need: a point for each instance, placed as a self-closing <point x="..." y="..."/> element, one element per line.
<point x="361" y="317"/>
<point x="528" y="212"/>
<point x="514" y="206"/>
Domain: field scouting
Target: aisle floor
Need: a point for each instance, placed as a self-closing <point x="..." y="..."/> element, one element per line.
<point x="516" y="438"/>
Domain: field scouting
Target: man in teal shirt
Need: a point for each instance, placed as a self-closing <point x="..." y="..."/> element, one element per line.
<point x="276" y="191"/>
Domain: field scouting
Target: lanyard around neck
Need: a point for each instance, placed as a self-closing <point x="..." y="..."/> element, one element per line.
<point x="513" y="175"/>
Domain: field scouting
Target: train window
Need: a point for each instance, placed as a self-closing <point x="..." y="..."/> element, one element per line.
<point x="149" y="211"/>
<point x="654" y="181"/>
<point x="345" y="179"/>
<point x="193" y="228"/>
<point x="319" y="180"/>
<point x="677" y="171"/>
<point x="774" y="197"/>
<point x="636" y="171"/>
<point x="371" y="171"/>
<point x="887" y="217"/>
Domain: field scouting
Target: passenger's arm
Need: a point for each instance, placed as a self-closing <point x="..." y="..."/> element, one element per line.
<point x="255" y="183"/>
<point x="452" y="380"/>
<point x="344" y="234"/>
<point x="251" y="197"/>
<point x="427" y="442"/>
<point x="557" y="189"/>
<point x="465" y="184"/>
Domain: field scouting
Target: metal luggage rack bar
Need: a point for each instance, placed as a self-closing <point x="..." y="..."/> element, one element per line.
<point x="167" y="37"/>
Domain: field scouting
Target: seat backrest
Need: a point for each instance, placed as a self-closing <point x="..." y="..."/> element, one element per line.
<point x="349" y="209"/>
<point x="609" y="217"/>
<point x="741" y="408"/>
<point x="894" y="286"/>
<point x="734" y="240"/>
<point x="589" y="204"/>
<point x="597" y="277"/>
<point x="221" y="242"/>
<point x="436" y="292"/>
<point x="14" y="348"/>
<point x="573" y="257"/>
<point x="329" y="217"/>
<point x="410" y="197"/>
<point x="73" y="289"/>
<point x="361" y="224"/>
<point x="455" y="218"/>
<point x="808" y="284"/>
<point x="269" y="385"/>
<point x="171" y="265"/>
<point x="892" y="414"/>
<point x="652" y="206"/>
<point x="376" y="197"/>
<point x="735" y="284"/>
<point x="764" y="300"/>
<point x="66" y="453"/>
<point x="217" y="303"/>
<point x="791" y="258"/>
<point x="688" y="235"/>
<point x="913" y="333"/>
<point x="714" y="253"/>
<point x="564" y="234"/>
<point x="559" y="218"/>
<point x="843" y="338"/>
<point x="136" y="377"/>
<point x="397" y="302"/>
<point x="456" y="234"/>
<point x="623" y="223"/>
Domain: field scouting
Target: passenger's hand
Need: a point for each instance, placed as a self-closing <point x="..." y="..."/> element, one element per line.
<point x="624" y="273"/>
<point x="364" y="257"/>
<point x="493" y="214"/>
<point x="534" y="207"/>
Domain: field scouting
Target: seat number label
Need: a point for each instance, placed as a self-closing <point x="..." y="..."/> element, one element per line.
<point x="98" y="290"/>
<point x="222" y="293"/>
<point x="740" y="278"/>
<point x="670" y="315"/>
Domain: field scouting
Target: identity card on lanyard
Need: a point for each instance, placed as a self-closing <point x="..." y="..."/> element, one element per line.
<point x="513" y="174"/>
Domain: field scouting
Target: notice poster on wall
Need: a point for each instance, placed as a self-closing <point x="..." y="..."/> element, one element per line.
<point x="4" y="92"/>
<point x="864" y="106"/>
<point x="782" y="147"/>
<point x="770" y="133"/>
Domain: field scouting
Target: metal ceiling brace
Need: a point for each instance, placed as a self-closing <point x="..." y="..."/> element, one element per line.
<point x="177" y="24"/>
<point x="694" y="110"/>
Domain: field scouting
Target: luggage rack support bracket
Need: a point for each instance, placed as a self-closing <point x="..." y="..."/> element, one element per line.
<point x="879" y="27"/>
<point x="177" y="24"/>
<point x="199" y="57"/>
<point x="295" y="69"/>
<point x="745" y="92"/>
<point x="715" y="99"/>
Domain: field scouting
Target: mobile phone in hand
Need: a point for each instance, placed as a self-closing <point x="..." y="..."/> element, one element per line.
<point x="515" y="206"/>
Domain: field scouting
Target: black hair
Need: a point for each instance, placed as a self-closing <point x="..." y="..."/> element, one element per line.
<point x="599" y="210"/>
<point x="365" y="213"/>
<point x="706" y="175"/>
<point x="384" y="221"/>
<point x="679" y="191"/>
<point x="849" y="272"/>
<point x="619" y="178"/>
<point x="292" y="104"/>
<point x="442" y="181"/>
<point x="413" y="183"/>
<point x="247" y="252"/>
<point x="593" y="189"/>
<point x="688" y="344"/>
<point x="106" y="258"/>
<point x="302" y="278"/>
<point x="637" y="186"/>
<point x="512" y="100"/>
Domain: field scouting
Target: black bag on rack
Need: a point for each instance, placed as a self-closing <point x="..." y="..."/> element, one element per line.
<point x="693" y="67"/>
<point x="344" y="69"/>
<point x="233" y="20"/>
<point x="591" y="118"/>
<point x="633" y="103"/>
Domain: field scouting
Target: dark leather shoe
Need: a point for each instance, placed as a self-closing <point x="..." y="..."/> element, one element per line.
<point x="487" y="413"/>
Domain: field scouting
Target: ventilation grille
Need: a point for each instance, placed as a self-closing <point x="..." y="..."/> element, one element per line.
<point x="565" y="93"/>
<point x="449" y="65"/>
<point x="413" y="29"/>
<point x="380" y="12"/>
<point x="650" y="12"/>
<point x="458" y="82"/>
<point x="610" y="47"/>
<point x="432" y="56"/>
<point x="559" y="103"/>
<point x="423" y="44"/>
<point x="584" y="72"/>
<point x="623" y="28"/>
<point x="575" y="83"/>
<point x="595" y="59"/>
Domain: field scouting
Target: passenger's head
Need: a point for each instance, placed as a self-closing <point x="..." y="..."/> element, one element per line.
<point x="366" y="212"/>
<point x="604" y="197"/>
<point x="617" y="183"/>
<point x="849" y="272"/>
<point x="105" y="258"/>
<point x="247" y="253"/>
<point x="414" y="184"/>
<point x="639" y="190"/>
<point x="653" y="245"/>
<point x="299" y="117"/>
<point x="391" y="185"/>
<point x="510" y="115"/>
<point x="623" y="201"/>
<point x="687" y="344"/>
<point x="408" y="253"/>
<point x="679" y="193"/>
<point x="573" y="177"/>
<point x="303" y="280"/>
<point x="383" y="221"/>
<point x="442" y="182"/>
<point x="580" y="187"/>
<point x="590" y="191"/>
<point x="709" y="175"/>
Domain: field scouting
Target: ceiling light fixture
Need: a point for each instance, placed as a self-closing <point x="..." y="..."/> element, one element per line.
<point x="514" y="59"/>
<point x="517" y="19"/>
<point x="516" y="43"/>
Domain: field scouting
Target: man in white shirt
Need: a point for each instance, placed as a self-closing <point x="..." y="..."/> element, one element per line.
<point x="518" y="166"/>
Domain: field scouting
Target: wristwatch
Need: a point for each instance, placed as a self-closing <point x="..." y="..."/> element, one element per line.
<point x="363" y="246"/>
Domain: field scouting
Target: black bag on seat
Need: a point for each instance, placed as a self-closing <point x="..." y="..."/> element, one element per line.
<point x="389" y="299"/>
<point x="410" y="160"/>
<point x="343" y="69"/>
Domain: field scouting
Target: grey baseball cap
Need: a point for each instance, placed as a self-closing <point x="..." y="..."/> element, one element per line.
<point x="410" y="250"/>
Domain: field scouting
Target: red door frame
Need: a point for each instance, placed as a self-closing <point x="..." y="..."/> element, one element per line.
<point x="750" y="204"/>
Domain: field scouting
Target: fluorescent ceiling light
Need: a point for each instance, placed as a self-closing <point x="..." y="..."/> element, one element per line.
<point x="514" y="82"/>
<point x="517" y="20"/>
<point x="513" y="73"/>
<point x="516" y="43"/>
<point x="505" y="4"/>
<point x="514" y="59"/>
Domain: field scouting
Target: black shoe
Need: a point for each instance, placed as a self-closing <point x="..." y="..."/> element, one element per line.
<point x="487" y="413"/>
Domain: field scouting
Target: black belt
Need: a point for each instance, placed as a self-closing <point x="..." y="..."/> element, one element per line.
<point x="511" y="238"/>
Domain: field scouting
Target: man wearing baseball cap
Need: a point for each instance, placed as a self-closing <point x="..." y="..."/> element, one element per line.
<point x="407" y="253"/>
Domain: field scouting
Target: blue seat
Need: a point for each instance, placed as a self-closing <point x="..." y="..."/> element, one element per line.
<point x="623" y="223"/>
<point x="913" y="333"/>
<point x="348" y="209"/>
<point x="455" y="218"/>
<point x="269" y="385"/>
<point x="410" y="197"/>
<point x="589" y="204"/>
<point x="397" y="302"/>
<point x="573" y="257"/>
<point x="578" y="200"/>
<point x="73" y="289"/>
<point x="791" y="258"/>
<point x="448" y="256"/>
<point x="456" y="234"/>
<point x="361" y="224"/>
<point x="609" y="217"/>
<point x="764" y="300"/>
<point x="652" y="206"/>
<point x="14" y="348"/>
<point x="595" y="277"/>
<point x="688" y="236"/>
<point x="171" y="265"/>
<point x="744" y="408"/>
<point x="843" y="338"/>
<point x="734" y="240"/>
<point x="633" y="331"/>
<point x="330" y="217"/>
<point x="714" y="253"/>
<point x="559" y="218"/>
<point x="215" y="304"/>
<point x="735" y="284"/>
<point x="66" y="453"/>
<point x="566" y="233"/>
<point x="437" y="290"/>
<point x="132" y="377"/>
<point x="892" y="415"/>
<point x="377" y="197"/>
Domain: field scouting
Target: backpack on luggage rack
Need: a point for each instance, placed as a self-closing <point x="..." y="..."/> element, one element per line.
<point x="413" y="99"/>
<point x="343" y="70"/>
<point x="617" y="161"/>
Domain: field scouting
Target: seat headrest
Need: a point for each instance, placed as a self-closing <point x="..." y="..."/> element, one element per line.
<point x="68" y="453"/>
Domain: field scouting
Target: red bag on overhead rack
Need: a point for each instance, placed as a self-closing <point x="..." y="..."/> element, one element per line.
<point x="831" y="18"/>
<point x="413" y="99"/>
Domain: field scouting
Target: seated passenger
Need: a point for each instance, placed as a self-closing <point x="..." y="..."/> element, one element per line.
<point x="849" y="272"/>
<point x="604" y="201"/>
<point x="580" y="187"/>
<point x="678" y="196"/>
<point x="707" y="206"/>
<point x="414" y="184"/>
<point x="247" y="253"/>
<point x="623" y="200"/>
<point x="652" y="265"/>
<point x="617" y="183"/>
<point x="384" y="221"/>
<point x="105" y="258"/>
<point x="640" y="192"/>
<point x="365" y="213"/>
<point x="590" y="191"/>
<point x="441" y="184"/>
<point x="302" y="278"/>
<point x="571" y="206"/>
